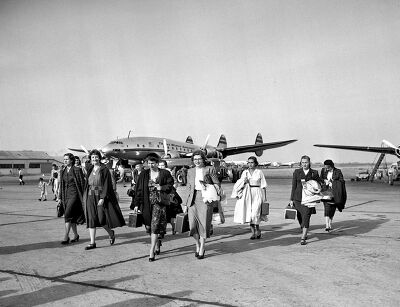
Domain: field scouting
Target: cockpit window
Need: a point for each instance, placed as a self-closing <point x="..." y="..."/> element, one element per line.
<point x="116" y="142"/>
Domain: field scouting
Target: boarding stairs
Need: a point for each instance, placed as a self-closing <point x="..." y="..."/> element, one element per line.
<point x="377" y="164"/>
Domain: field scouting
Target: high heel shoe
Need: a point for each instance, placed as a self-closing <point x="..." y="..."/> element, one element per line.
<point x="90" y="246"/>
<point x="303" y="242"/>
<point x="196" y="254"/>
<point x="65" y="242"/>
<point x="201" y="256"/>
<point x="112" y="238"/>
<point x="76" y="239"/>
<point x="253" y="237"/>
<point x="159" y="244"/>
<point x="258" y="235"/>
<point x="151" y="259"/>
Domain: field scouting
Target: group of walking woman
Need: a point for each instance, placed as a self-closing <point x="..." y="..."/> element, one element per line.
<point x="88" y="198"/>
<point x="91" y="198"/>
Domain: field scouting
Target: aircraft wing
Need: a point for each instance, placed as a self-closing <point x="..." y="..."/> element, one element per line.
<point x="385" y="150"/>
<point x="76" y="149"/>
<point x="228" y="151"/>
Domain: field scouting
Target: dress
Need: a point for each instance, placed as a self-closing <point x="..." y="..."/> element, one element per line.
<point x="151" y="202"/>
<point x="95" y="214"/>
<point x="70" y="199"/>
<point x="99" y="186"/>
<point x="257" y="183"/>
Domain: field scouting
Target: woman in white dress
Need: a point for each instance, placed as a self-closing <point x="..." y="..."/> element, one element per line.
<point x="255" y="179"/>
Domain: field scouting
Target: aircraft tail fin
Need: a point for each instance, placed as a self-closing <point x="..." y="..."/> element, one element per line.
<point x="222" y="142"/>
<point x="189" y="140"/>
<point x="259" y="140"/>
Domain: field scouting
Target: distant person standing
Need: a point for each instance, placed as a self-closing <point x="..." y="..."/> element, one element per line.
<point x="70" y="196"/>
<point x="42" y="189"/>
<point x="334" y="183"/>
<point x="54" y="180"/>
<point x="20" y="177"/>
<point x="300" y="177"/>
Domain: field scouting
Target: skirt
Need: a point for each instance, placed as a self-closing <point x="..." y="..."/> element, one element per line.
<point x="73" y="210"/>
<point x="200" y="217"/>
<point x="158" y="220"/>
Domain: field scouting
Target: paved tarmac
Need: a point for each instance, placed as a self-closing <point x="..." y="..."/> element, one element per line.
<point x="357" y="264"/>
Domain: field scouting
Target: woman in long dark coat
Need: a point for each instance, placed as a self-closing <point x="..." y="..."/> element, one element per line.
<point x="334" y="183"/>
<point x="102" y="208"/>
<point x="151" y="198"/>
<point x="71" y="187"/>
<point x="300" y="177"/>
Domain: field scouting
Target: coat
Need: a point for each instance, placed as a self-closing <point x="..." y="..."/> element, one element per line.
<point x="297" y="187"/>
<point x="241" y="191"/>
<point x="338" y="187"/>
<point x="79" y="179"/>
<point x="111" y="207"/>
<point x="142" y="199"/>
<point x="188" y="192"/>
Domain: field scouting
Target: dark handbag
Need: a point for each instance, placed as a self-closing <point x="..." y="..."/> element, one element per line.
<point x="135" y="219"/>
<point x="264" y="208"/>
<point x="182" y="223"/>
<point x="60" y="210"/>
<point x="290" y="213"/>
<point x="130" y="192"/>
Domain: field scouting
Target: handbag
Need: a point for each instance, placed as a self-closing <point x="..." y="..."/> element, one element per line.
<point x="265" y="208"/>
<point x="60" y="210"/>
<point x="135" y="219"/>
<point x="290" y="213"/>
<point x="182" y="223"/>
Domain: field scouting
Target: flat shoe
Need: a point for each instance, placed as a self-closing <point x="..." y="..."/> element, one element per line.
<point x="90" y="246"/>
<point x="65" y="242"/>
<point x="303" y="242"/>
<point x="76" y="239"/>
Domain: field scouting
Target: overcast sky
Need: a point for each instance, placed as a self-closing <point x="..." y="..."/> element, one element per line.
<point x="85" y="72"/>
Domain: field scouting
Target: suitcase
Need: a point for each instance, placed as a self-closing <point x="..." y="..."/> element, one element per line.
<point x="182" y="223"/>
<point x="135" y="220"/>
<point x="290" y="214"/>
<point x="264" y="208"/>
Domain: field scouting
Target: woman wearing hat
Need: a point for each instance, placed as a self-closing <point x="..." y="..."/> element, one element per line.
<point x="334" y="183"/>
<point x="199" y="211"/>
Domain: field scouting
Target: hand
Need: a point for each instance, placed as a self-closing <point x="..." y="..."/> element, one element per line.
<point x="59" y="201"/>
<point x="291" y="203"/>
<point x="185" y="209"/>
<point x="101" y="202"/>
<point x="157" y="186"/>
<point x="135" y="210"/>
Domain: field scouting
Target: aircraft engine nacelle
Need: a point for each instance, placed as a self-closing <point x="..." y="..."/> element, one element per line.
<point x="398" y="151"/>
<point x="212" y="153"/>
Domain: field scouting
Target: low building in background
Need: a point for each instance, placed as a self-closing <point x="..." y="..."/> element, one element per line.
<point x="31" y="162"/>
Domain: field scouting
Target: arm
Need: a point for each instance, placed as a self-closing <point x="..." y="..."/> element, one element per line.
<point x="294" y="186"/>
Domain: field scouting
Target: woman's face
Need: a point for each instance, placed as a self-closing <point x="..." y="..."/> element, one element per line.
<point x="67" y="161"/>
<point x="305" y="163"/>
<point x="77" y="162"/>
<point x="95" y="159"/>
<point x="328" y="167"/>
<point x="198" y="161"/>
<point x="251" y="164"/>
<point x="153" y="165"/>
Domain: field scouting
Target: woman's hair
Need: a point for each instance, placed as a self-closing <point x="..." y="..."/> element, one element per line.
<point x="152" y="157"/>
<point x="329" y="162"/>
<point x="201" y="154"/>
<point x="95" y="152"/>
<point x="71" y="157"/>
<point x="305" y="157"/>
<point x="254" y="159"/>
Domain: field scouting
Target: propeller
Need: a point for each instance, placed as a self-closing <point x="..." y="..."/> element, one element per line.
<point x="165" y="147"/>
<point x="204" y="148"/>
<point x="84" y="149"/>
